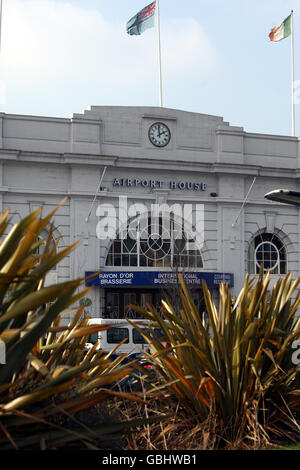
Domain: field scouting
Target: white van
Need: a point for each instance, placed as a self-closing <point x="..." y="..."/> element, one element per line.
<point x="109" y="339"/>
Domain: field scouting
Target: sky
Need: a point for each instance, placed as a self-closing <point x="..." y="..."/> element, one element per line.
<point x="58" y="57"/>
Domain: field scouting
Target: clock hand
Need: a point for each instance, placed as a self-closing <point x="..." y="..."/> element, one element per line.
<point x="162" y="133"/>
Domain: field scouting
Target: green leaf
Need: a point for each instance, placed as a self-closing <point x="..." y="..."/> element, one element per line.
<point x="18" y="352"/>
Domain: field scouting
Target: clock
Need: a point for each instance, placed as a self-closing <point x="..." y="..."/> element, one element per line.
<point x="159" y="134"/>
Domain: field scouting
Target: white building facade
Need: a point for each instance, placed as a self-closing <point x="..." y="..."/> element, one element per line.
<point x="117" y="163"/>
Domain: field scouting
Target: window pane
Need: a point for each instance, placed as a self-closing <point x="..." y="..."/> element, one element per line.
<point x="112" y="305"/>
<point x="117" y="260"/>
<point x="93" y="338"/>
<point x="143" y="260"/>
<point x="109" y="261"/>
<point x="129" y="298"/>
<point x="166" y="247"/>
<point x="167" y="261"/>
<point x="267" y="264"/>
<point x="179" y="245"/>
<point x="159" y="333"/>
<point x="116" y="335"/>
<point x="282" y="267"/>
<point x="183" y="261"/>
<point x="133" y="260"/>
<point x="159" y="246"/>
<point x="125" y="260"/>
<point x="137" y="337"/>
<point x="117" y="246"/>
<point x="144" y="246"/>
<point x="146" y="298"/>
<point x="129" y="245"/>
<point x="199" y="262"/>
<point x="268" y="250"/>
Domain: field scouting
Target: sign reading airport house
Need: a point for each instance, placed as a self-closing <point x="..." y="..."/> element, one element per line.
<point x="158" y="184"/>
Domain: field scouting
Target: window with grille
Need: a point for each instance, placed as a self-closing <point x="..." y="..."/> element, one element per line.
<point x="155" y="245"/>
<point x="267" y="249"/>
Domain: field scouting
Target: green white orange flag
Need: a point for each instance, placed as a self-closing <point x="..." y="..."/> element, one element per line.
<point x="282" y="30"/>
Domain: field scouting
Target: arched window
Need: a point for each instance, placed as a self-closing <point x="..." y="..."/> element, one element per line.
<point x="161" y="244"/>
<point x="267" y="249"/>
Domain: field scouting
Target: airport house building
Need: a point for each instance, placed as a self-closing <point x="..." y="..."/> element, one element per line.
<point x="153" y="192"/>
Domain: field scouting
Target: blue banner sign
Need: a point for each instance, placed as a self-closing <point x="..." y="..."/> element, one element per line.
<point x="155" y="278"/>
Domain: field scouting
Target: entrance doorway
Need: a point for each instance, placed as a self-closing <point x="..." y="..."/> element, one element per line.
<point x="118" y="301"/>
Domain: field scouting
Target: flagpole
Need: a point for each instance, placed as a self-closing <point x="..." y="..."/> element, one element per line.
<point x="293" y="72"/>
<point x="159" y="56"/>
<point x="0" y="23"/>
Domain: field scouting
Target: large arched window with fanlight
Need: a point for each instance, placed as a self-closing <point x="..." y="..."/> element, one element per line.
<point x="148" y="243"/>
<point x="268" y="250"/>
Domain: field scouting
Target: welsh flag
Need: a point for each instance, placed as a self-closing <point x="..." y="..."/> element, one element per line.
<point x="281" y="31"/>
<point x="143" y="20"/>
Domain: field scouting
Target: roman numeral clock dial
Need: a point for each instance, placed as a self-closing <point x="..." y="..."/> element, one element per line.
<point x="159" y="134"/>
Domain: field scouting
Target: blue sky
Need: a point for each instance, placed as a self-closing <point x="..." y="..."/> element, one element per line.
<point x="59" y="57"/>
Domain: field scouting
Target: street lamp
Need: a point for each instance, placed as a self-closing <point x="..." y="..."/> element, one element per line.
<point x="284" y="196"/>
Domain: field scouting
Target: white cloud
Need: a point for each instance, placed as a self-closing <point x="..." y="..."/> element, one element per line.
<point x="187" y="48"/>
<point x="46" y="43"/>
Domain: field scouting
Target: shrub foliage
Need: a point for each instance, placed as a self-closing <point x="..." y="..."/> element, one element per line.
<point x="48" y="378"/>
<point x="233" y="363"/>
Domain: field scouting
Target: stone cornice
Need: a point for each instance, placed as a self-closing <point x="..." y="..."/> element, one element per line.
<point x="137" y="196"/>
<point x="216" y="168"/>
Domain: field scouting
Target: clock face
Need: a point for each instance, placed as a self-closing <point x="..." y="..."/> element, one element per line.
<point x="159" y="134"/>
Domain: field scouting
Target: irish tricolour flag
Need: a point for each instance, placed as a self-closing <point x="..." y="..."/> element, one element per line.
<point x="282" y="30"/>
